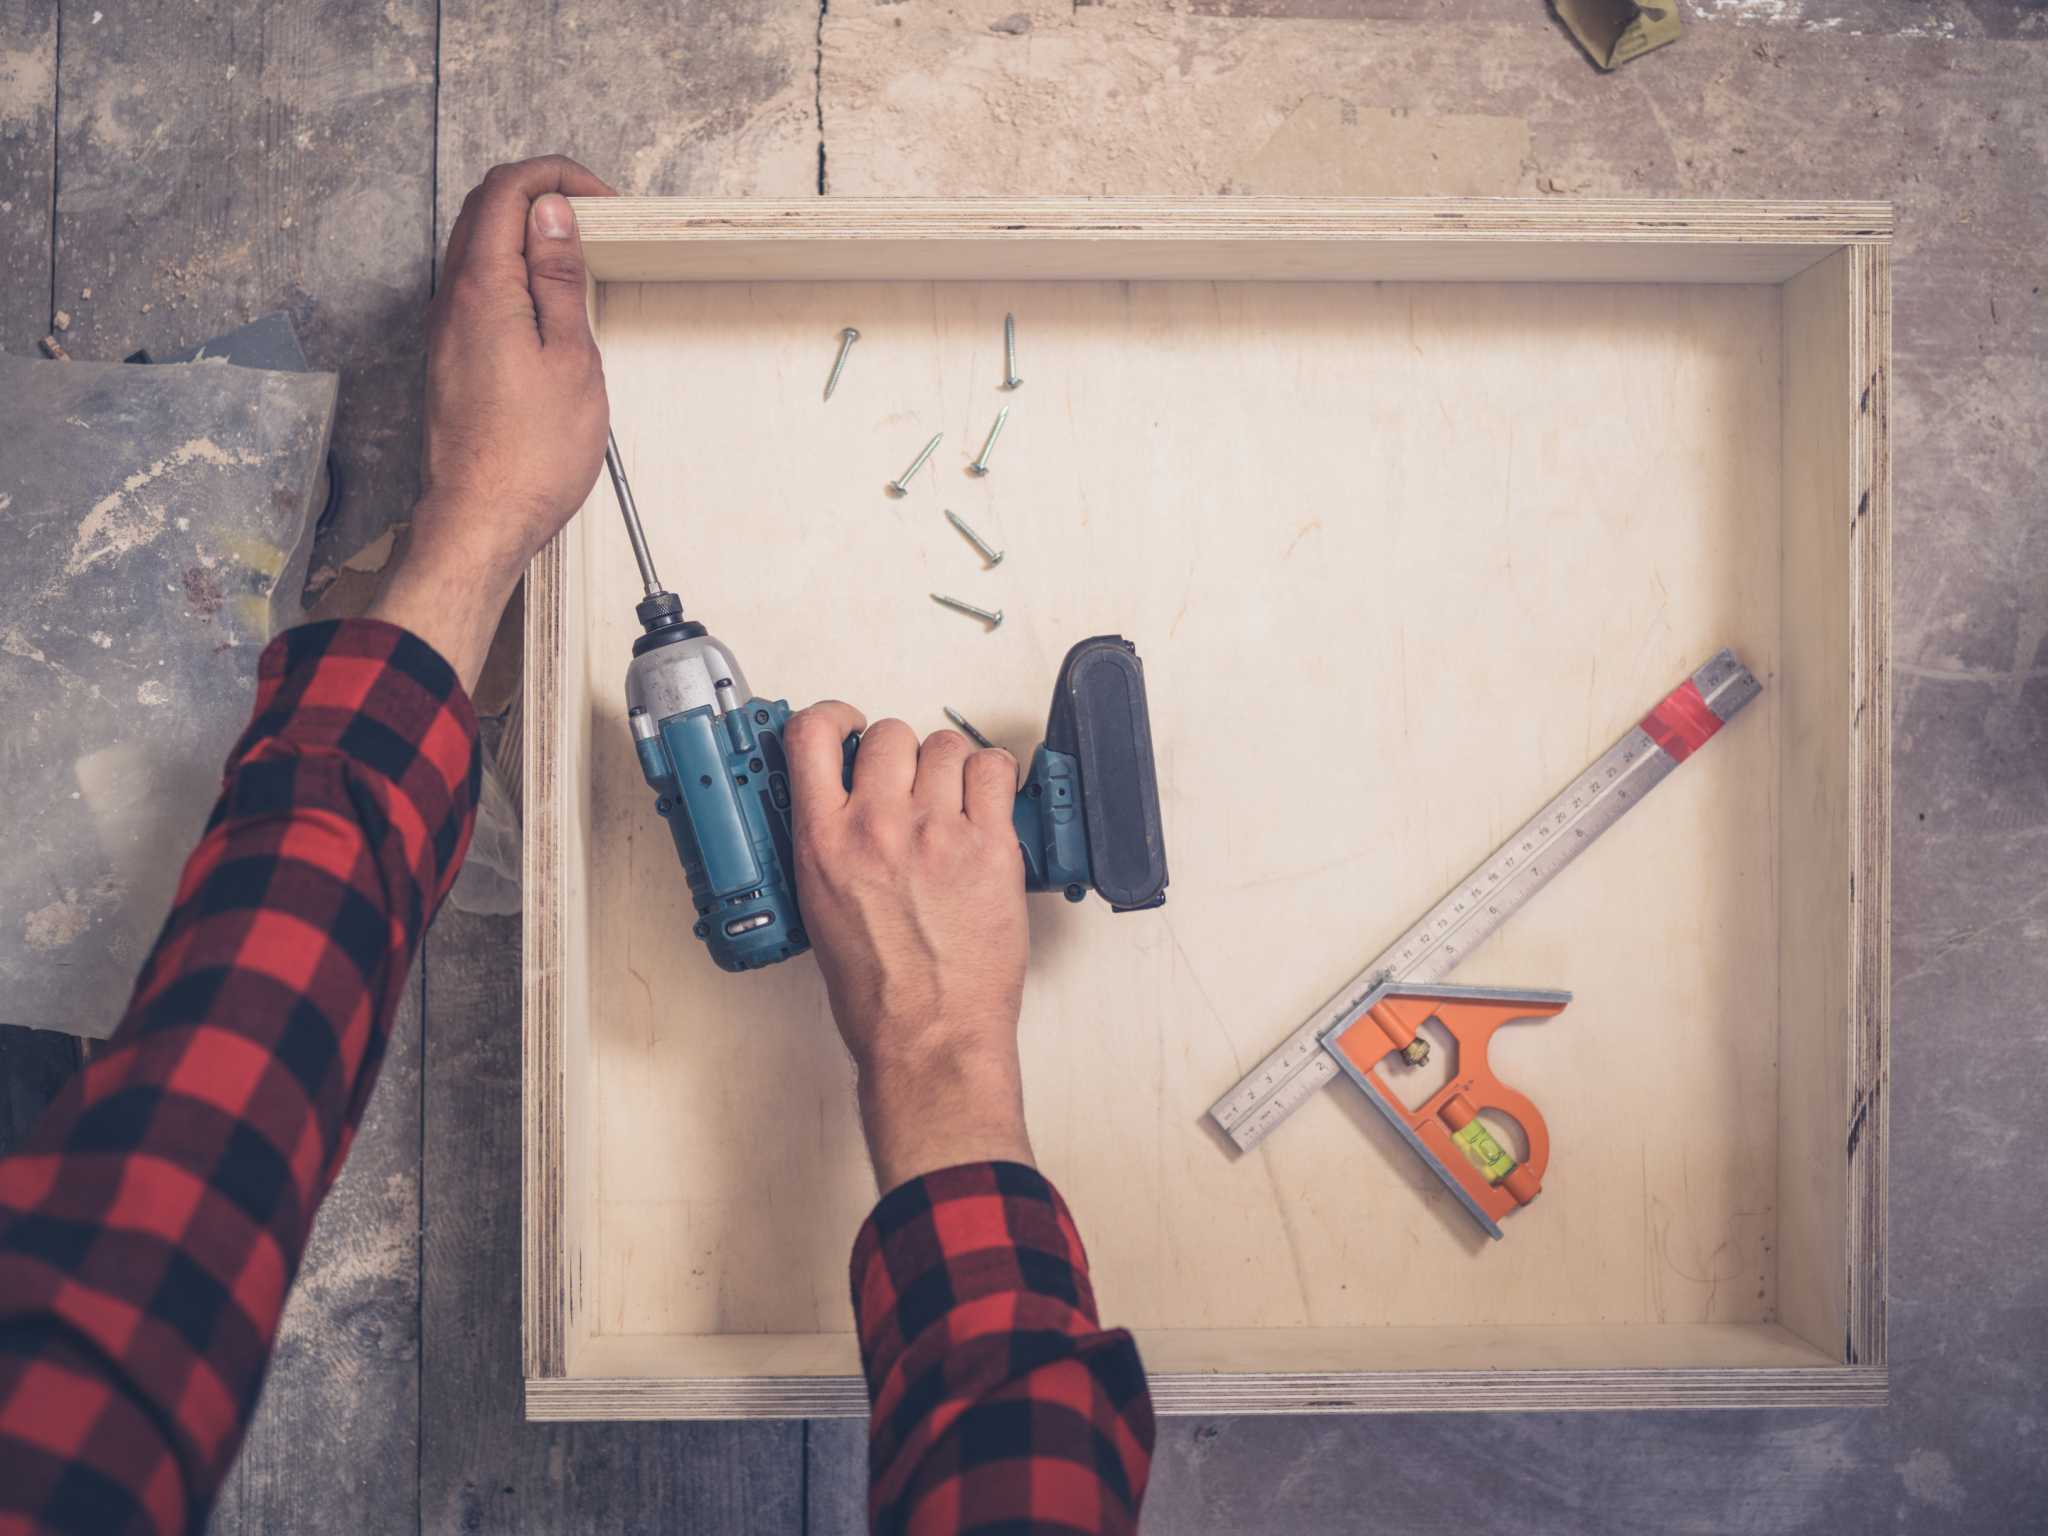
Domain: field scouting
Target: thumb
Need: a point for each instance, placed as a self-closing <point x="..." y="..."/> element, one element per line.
<point x="554" y="272"/>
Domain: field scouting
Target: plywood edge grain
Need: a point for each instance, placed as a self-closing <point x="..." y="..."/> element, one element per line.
<point x="1442" y="239"/>
<point x="1869" y="1108"/>
<point x="1272" y="218"/>
<point x="1831" y="1386"/>
<point x="543" y="880"/>
<point x="1301" y="1370"/>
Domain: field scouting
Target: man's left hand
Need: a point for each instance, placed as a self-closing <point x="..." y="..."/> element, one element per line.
<point x="516" y="408"/>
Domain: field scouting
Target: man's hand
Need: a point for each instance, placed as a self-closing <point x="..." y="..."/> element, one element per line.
<point x="912" y="888"/>
<point x="516" y="410"/>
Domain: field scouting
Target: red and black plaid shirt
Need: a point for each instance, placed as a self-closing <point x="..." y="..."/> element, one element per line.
<point x="150" y="1227"/>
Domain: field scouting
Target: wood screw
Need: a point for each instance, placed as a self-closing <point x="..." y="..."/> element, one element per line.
<point x="901" y="484"/>
<point x="1010" y="379"/>
<point x="993" y="620"/>
<point x="992" y="556"/>
<point x="980" y="465"/>
<point x="847" y="338"/>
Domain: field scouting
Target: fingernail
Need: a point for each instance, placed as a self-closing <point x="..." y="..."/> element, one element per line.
<point x="553" y="217"/>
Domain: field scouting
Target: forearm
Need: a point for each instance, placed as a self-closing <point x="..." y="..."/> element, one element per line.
<point x="449" y="589"/>
<point x="997" y="1399"/>
<point x="151" y="1226"/>
<point x="940" y="1106"/>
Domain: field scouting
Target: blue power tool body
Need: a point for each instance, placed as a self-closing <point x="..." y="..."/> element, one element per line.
<point x="1087" y="817"/>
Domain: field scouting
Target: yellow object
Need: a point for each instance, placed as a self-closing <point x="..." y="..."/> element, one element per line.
<point x="1489" y="1155"/>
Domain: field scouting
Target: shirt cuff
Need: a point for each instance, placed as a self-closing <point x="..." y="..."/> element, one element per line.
<point x="383" y="698"/>
<point x="939" y="1249"/>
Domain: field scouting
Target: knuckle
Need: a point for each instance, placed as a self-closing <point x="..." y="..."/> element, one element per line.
<point x="945" y="744"/>
<point x="814" y="720"/>
<point x="806" y="728"/>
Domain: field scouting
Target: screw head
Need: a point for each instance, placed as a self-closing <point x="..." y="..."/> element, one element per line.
<point x="850" y="334"/>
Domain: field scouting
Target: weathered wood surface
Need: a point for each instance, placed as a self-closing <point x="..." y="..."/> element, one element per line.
<point x="836" y="1478"/>
<point x="332" y="1449"/>
<point x="223" y="160"/>
<point x="28" y="107"/>
<point x="34" y="1064"/>
<point x="683" y="96"/>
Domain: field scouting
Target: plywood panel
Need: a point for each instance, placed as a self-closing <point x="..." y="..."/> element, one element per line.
<point x="1196" y="1352"/>
<point x="1316" y="1370"/>
<point x="1835" y="782"/>
<point x="1399" y="560"/>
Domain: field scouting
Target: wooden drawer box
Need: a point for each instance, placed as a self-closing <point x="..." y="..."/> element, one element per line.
<point x="1411" y="508"/>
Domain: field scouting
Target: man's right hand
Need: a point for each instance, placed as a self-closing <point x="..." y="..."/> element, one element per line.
<point x="912" y="888"/>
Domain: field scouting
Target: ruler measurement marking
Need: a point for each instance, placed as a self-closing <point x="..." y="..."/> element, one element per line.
<point x="1596" y="799"/>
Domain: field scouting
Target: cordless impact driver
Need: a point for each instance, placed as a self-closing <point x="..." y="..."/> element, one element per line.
<point x="1087" y="817"/>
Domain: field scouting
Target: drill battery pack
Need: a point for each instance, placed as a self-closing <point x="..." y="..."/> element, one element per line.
<point x="1088" y="814"/>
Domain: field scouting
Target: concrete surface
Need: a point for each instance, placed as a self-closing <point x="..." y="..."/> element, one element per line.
<point x="1942" y="107"/>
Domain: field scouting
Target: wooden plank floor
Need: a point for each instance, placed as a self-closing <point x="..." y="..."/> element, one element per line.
<point x="194" y="165"/>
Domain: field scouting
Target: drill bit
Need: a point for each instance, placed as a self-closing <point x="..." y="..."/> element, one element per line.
<point x="617" y="466"/>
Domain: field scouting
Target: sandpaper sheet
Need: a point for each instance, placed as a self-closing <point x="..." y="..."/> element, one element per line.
<point x="1614" y="31"/>
<point x="154" y="530"/>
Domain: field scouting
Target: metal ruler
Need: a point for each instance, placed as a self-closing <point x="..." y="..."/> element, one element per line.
<point x="1492" y="893"/>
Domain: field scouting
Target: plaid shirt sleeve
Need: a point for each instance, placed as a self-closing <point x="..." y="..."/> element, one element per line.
<point x="151" y="1225"/>
<point x="999" y="1402"/>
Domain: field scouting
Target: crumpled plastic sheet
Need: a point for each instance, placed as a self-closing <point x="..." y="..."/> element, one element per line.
<point x="488" y="882"/>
